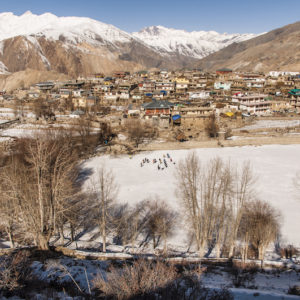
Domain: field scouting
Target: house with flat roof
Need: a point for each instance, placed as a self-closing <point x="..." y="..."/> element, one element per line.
<point x="253" y="104"/>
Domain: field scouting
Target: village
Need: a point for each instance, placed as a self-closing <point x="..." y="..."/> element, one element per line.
<point x="186" y="105"/>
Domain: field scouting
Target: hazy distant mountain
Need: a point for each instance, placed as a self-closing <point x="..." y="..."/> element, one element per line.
<point x="197" y="44"/>
<point x="278" y="49"/>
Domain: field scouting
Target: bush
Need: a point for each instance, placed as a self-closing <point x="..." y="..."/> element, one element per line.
<point x="14" y="269"/>
<point x="155" y="280"/>
<point x="294" y="290"/>
<point x="143" y="277"/>
<point x="189" y="287"/>
<point x="243" y="274"/>
<point x="288" y="251"/>
<point x="212" y="127"/>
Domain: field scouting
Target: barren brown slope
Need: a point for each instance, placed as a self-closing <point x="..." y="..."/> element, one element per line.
<point x="28" y="77"/>
<point x="276" y="50"/>
<point x="37" y="53"/>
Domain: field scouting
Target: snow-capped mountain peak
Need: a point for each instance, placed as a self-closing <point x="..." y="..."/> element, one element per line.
<point x="196" y="44"/>
<point x="52" y="27"/>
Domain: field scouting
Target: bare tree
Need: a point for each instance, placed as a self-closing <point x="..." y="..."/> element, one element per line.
<point x="242" y="193"/>
<point x="213" y="196"/>
<point x="261" y="226"/>
<point x="138" y="131"/>
<point x="160" y="222"/>
<point x="191" y="190"/>
<point x="40" y="180"/>
<point x="212" y="127"/>
<point x="130" y="222"/>
<point x="106" y="133"/>
<point x="222" y="211"/>
<point x="42" y="108"/>
<point x="105" y="190"/>
<point x="9" y="214"/>
<point x="84" y="128"/>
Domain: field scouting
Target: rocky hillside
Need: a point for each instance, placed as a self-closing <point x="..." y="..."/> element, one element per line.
<point x="276" y="50"/>
<point x="29" y="77"/>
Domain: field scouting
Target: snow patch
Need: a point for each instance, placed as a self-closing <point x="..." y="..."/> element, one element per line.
<point x="3" y="69"/>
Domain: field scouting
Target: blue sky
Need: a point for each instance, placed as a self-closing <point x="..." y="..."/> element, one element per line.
<point x="230" y="16"/>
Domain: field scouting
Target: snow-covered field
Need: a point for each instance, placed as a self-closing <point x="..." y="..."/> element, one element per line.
<point x="274" y="165"/>
<point x="21" y="131"/>
<point x="260" y="124"/>
<point x="31" y="130"/>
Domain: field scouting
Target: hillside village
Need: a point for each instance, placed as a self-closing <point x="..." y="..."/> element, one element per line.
<point x="179" y="105"/>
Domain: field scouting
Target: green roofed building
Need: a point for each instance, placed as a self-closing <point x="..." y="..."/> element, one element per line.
<point x="295" y="99"/>
<point x="295" y="92"/>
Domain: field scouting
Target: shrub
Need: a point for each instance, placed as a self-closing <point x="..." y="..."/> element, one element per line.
<point x="288" y="251"/>
<point x="189" y="287"/>
<point x="141" y="278"/>
<point x="294" y="290"/>
<point x="212" y="126"/>
<point x="14" y="269"/>
<point x="243" y="274"/>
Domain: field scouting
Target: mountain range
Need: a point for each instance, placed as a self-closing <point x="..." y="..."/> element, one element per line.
<point x="74" y="46"/>
<point x="38" y="45"/>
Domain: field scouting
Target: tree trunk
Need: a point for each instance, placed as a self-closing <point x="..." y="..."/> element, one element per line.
<point x="11" y="239"/>
<point x="165" y="245"/>
<point x="61" y="236"/>
<point x="103" y="239"/>
<point x="231" y="250"/>
<point x="245" y="248"/>
<point x="42" y="242"/>
<point x="218" y="250"/>
<point x="261" y="252"/>
<point x="201" y="250"/>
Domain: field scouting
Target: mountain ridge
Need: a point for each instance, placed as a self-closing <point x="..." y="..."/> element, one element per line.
<point x="80" y="46"/>
<point x="278" y="49"/>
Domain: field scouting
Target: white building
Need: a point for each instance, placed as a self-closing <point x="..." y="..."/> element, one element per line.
<point x="199" y="95"/>
<point x="253" y="104"/>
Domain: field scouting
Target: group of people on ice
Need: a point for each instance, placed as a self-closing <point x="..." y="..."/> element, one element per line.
<point x="162" y="163"/>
